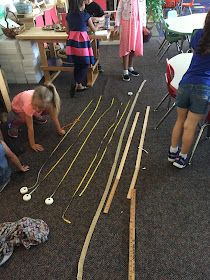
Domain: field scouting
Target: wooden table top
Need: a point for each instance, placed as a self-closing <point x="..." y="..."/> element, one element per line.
<point x="36" y="34"/>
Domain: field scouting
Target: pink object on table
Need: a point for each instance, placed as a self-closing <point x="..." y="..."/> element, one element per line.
<point x="39" y="21"/>
<point x="102" y="4"/>
<point x="54" y="15"/>
<point x="48" y="17"/>
<point x="63" y="19"/>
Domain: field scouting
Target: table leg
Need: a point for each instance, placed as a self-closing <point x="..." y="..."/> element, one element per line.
<point x="4" y="92"/>
<point x="44" y="61"/>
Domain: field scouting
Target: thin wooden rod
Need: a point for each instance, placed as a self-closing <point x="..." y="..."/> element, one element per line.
<point x="139" y="155"/>
<point x="132" y="237"/>
<point x="106" y="191"/>
<point x="121" y="166"/>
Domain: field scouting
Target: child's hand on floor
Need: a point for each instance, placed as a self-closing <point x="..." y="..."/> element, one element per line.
<point x="24" y="168"/>
<point x="37" y="147"/>
<point x="61" y="132"/>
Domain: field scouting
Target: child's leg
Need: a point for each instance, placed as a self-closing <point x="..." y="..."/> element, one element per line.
<point x="190" y="126"/>
<point x="130" y="62"/>
<point x="15" y="121"/>
<point x="178" y="127"/>
<point x="80" y="73"/>
<point x="40" y="118"/>
<point x="130" y="65"/>
<point x="125" y="68"/>
<point x="125" y="62"/>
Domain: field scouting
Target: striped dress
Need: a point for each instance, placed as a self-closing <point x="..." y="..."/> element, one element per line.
<point x="78" y="47"/>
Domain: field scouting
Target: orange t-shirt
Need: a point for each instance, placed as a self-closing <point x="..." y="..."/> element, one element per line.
<point x="21" y="103"/>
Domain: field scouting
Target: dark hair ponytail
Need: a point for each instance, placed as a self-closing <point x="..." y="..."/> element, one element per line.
<point x="75" y="5"/>
<point x="204" y="43"/>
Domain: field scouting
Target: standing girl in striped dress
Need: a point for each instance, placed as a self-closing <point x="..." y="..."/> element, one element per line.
<point x="78" y="47"/>
<point x="131" y="24"/>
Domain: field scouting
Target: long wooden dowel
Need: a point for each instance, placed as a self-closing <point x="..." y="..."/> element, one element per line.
<point x="132" y="235"/>
<point x="121" y="166"/>
<point x="139" y="155"/>
<point x="106" y="191"/>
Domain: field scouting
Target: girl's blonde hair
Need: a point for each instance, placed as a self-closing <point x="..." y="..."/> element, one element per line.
<point x="48" y="94"/>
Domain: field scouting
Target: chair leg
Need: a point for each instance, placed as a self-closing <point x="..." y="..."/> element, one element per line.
<point x="178" y="46"/>
<point x="161" y="102"/>
<point x="181" y="45"/>
<point x="165" y="116"/>
<point x="169" y="44"/>
<point x="169" y="103"/>
<point x="161" y="46"/>
<point x="208" y="131"/>
<point x="196" y="142"/>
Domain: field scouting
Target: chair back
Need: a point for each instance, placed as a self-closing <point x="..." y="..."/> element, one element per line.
<point x="188" y="4"/>
<point x="169" y="4"/>
<point x="169" y="78"/>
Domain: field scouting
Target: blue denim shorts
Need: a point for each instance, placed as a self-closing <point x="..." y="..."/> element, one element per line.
<point x="195" y="98"/>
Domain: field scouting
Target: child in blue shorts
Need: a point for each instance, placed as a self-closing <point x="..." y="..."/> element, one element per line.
<point x="193" y="97"/>
<point x="5" y="171"/>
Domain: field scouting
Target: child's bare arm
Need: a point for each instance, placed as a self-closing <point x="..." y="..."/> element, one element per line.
<point x="92" y="26"/>
<point x="34" y="146"/>
<point x="14" y="159"/>
<point x="54" y="117"/>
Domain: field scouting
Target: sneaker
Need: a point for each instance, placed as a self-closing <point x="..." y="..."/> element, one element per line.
<point x="100" y="69"/>
<point x="173" y="156"/>
<point x="180" y="162"/>
<point x="133" y="73"/>
<point x="13" y="132"/>
<point x="39" y="119"/>
<point x="126" y="78"/>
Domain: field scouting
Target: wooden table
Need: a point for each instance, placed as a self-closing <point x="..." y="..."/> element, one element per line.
<point x="42" y="36"/>
<point x="180" y="64"/>
<point x="4" y="91"/>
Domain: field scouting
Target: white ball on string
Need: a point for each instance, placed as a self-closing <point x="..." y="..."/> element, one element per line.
<point x="23" y="190"/>
<point x="49" y="201"/>
<point x="27" y="197"/>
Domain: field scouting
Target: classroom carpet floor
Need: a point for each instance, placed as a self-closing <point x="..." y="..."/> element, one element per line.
<point x="173" y="206"/>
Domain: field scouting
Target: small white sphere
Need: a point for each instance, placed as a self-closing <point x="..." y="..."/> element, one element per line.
<point x="49" y="201"/>
<point x="23" y="190"/>
<point x="130" y="93"/>
<point x="27" y="197"/>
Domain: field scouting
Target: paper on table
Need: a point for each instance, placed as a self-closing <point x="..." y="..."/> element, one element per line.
<point x="101" y="32"/>
<point x="11" y="23"/>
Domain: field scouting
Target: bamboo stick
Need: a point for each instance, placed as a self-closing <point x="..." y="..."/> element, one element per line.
<point x="121" y="166"/>
<point x="106" y="191"/>
<point x="139" y="155"/>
